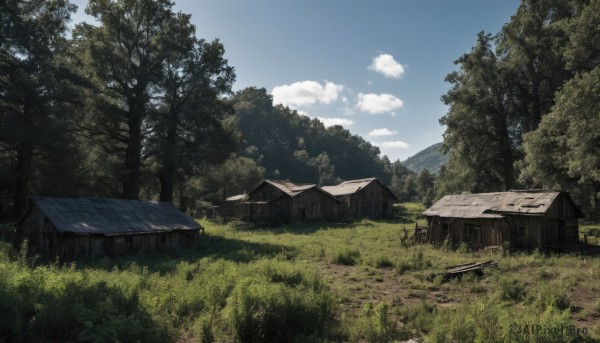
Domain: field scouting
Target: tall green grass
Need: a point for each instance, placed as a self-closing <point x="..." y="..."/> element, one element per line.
<point x="286" y="284"/>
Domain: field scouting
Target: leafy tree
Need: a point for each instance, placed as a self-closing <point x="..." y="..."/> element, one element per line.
<point x="531" y="46"/>
<point x="481" y="121"/>
<point x="566" y="147"/>
<point x="34" y="92"/>
<point x="499" y="95"/>
<point x="188" y="127"/>
<point x="236" y="175"/>
<point x="425" y="186"/>
<point x="126" y="56"/>
<point x="564" y="150"/>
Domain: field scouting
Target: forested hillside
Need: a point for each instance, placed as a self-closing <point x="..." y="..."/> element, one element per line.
<point x="430" y="158"/>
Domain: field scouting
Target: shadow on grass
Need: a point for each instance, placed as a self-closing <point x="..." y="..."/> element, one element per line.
<point x="79" y="312"/>
<point x="216" y="247"/>
<point x="312" y="227"/>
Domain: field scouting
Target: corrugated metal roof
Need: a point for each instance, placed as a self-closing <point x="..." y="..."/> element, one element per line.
<point x="112" y="216"/>
<point x="493" y="205"/>
<point x="348" y="187"/>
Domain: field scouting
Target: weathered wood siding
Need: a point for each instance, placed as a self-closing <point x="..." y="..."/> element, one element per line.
<point x="313" y="204"/>
<point x="522" y="232"/>
<point x="372" y="201"/>
<point x="43" y="238"/>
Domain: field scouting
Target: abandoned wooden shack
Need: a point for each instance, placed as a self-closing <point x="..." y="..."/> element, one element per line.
<point x="288" y="202"/>
<point x="235" y="207"/>
<point x="77" y="227"/>
<point x="521" y="219"/>
<point x="364" y="198"/>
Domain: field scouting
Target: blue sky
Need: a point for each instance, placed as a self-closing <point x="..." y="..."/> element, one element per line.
<point x="375" y="67"/>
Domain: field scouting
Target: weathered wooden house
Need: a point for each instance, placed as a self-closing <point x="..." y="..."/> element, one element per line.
<point x="76" y="227"/>
<point x="364" y="198"/>
<point x="527" y="219"/>
<point x="288" y="202"/>
<point x="235" y="207"/>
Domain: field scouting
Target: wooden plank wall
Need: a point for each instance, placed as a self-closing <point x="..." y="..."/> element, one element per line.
<point x="44" y="239"/>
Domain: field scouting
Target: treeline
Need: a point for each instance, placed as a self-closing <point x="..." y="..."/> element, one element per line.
<point x="136" y="106"/>
<point x="524" y="106"/>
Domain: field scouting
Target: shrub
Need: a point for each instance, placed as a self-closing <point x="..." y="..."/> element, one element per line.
<point x="417" y="318"/>
<point x="463" y="248"/>
<point x="261" y="311"/>
<point x="511" y="289"/>
<point x="383" y="262"/>
<point x="347" y="257"/>
<point x="374" y="324"/>
<point x="552" y="295"/>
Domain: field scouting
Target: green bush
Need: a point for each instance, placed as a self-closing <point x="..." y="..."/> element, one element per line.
<point x="61" y="304"/>
<point x="347" y="257"/>
<point x="262" y="311"/>
<point x="383" y="262"/>
<point x="375" y="324"/>
<point x="511" y="289"/>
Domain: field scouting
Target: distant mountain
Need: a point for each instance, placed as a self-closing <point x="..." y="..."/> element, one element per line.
<point x="431" y="159"/>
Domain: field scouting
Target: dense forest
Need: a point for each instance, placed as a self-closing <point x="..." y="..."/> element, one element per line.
<point x="136" y="106"/>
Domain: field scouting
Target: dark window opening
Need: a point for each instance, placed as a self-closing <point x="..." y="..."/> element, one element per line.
<point x="163" y="238"/>
<point x="444" y="230"/>
<point x="472" y="234"/>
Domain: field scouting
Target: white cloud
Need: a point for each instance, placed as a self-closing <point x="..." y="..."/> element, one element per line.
<point x="306" y="93"/>
<point x="381" y="132"/>
<point x="335" y="121"/>
<point x="386" y="64"/>
<point x="378" y="103"/>
<point x="395" y="145"/>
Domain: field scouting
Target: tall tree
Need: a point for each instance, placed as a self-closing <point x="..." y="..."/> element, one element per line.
<point x="188" y="127"/>
<point x="126" y="54"/>
<point x="480" y="120"/>
<point x="564" y="151"/>
<point x="532" y="47"/>
<point x="32" y="87"/>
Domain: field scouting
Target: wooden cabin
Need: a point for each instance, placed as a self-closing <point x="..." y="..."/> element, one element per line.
<point x="77" y="227"/>
<point x="364" y="198"/>
<point x="526" y="219"/>
<point x="289" y="202"/>
<point x="235" y="207"/>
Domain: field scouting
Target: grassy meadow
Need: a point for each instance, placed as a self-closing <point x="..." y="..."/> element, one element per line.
<point x="304" y="283"/>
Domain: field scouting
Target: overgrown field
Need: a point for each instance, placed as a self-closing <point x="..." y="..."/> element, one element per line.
<point x="320" y="282"/>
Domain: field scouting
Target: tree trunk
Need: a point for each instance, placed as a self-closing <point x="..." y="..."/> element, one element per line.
<point x="166" y="185"/>
<point x="23" y="171"/>
<point x="507" y="161"/>
<point x="131" y="181"/>
<point x="167" y="174"/>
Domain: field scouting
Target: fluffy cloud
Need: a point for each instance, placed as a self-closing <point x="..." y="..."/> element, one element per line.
<point x="378" y="103"/>
<point x="381" y="132"/>
<point x="395" y="145"/>
<point x="335" y="121"/>
<point x="306" y="93"/>
<point x="386" y="64"/>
